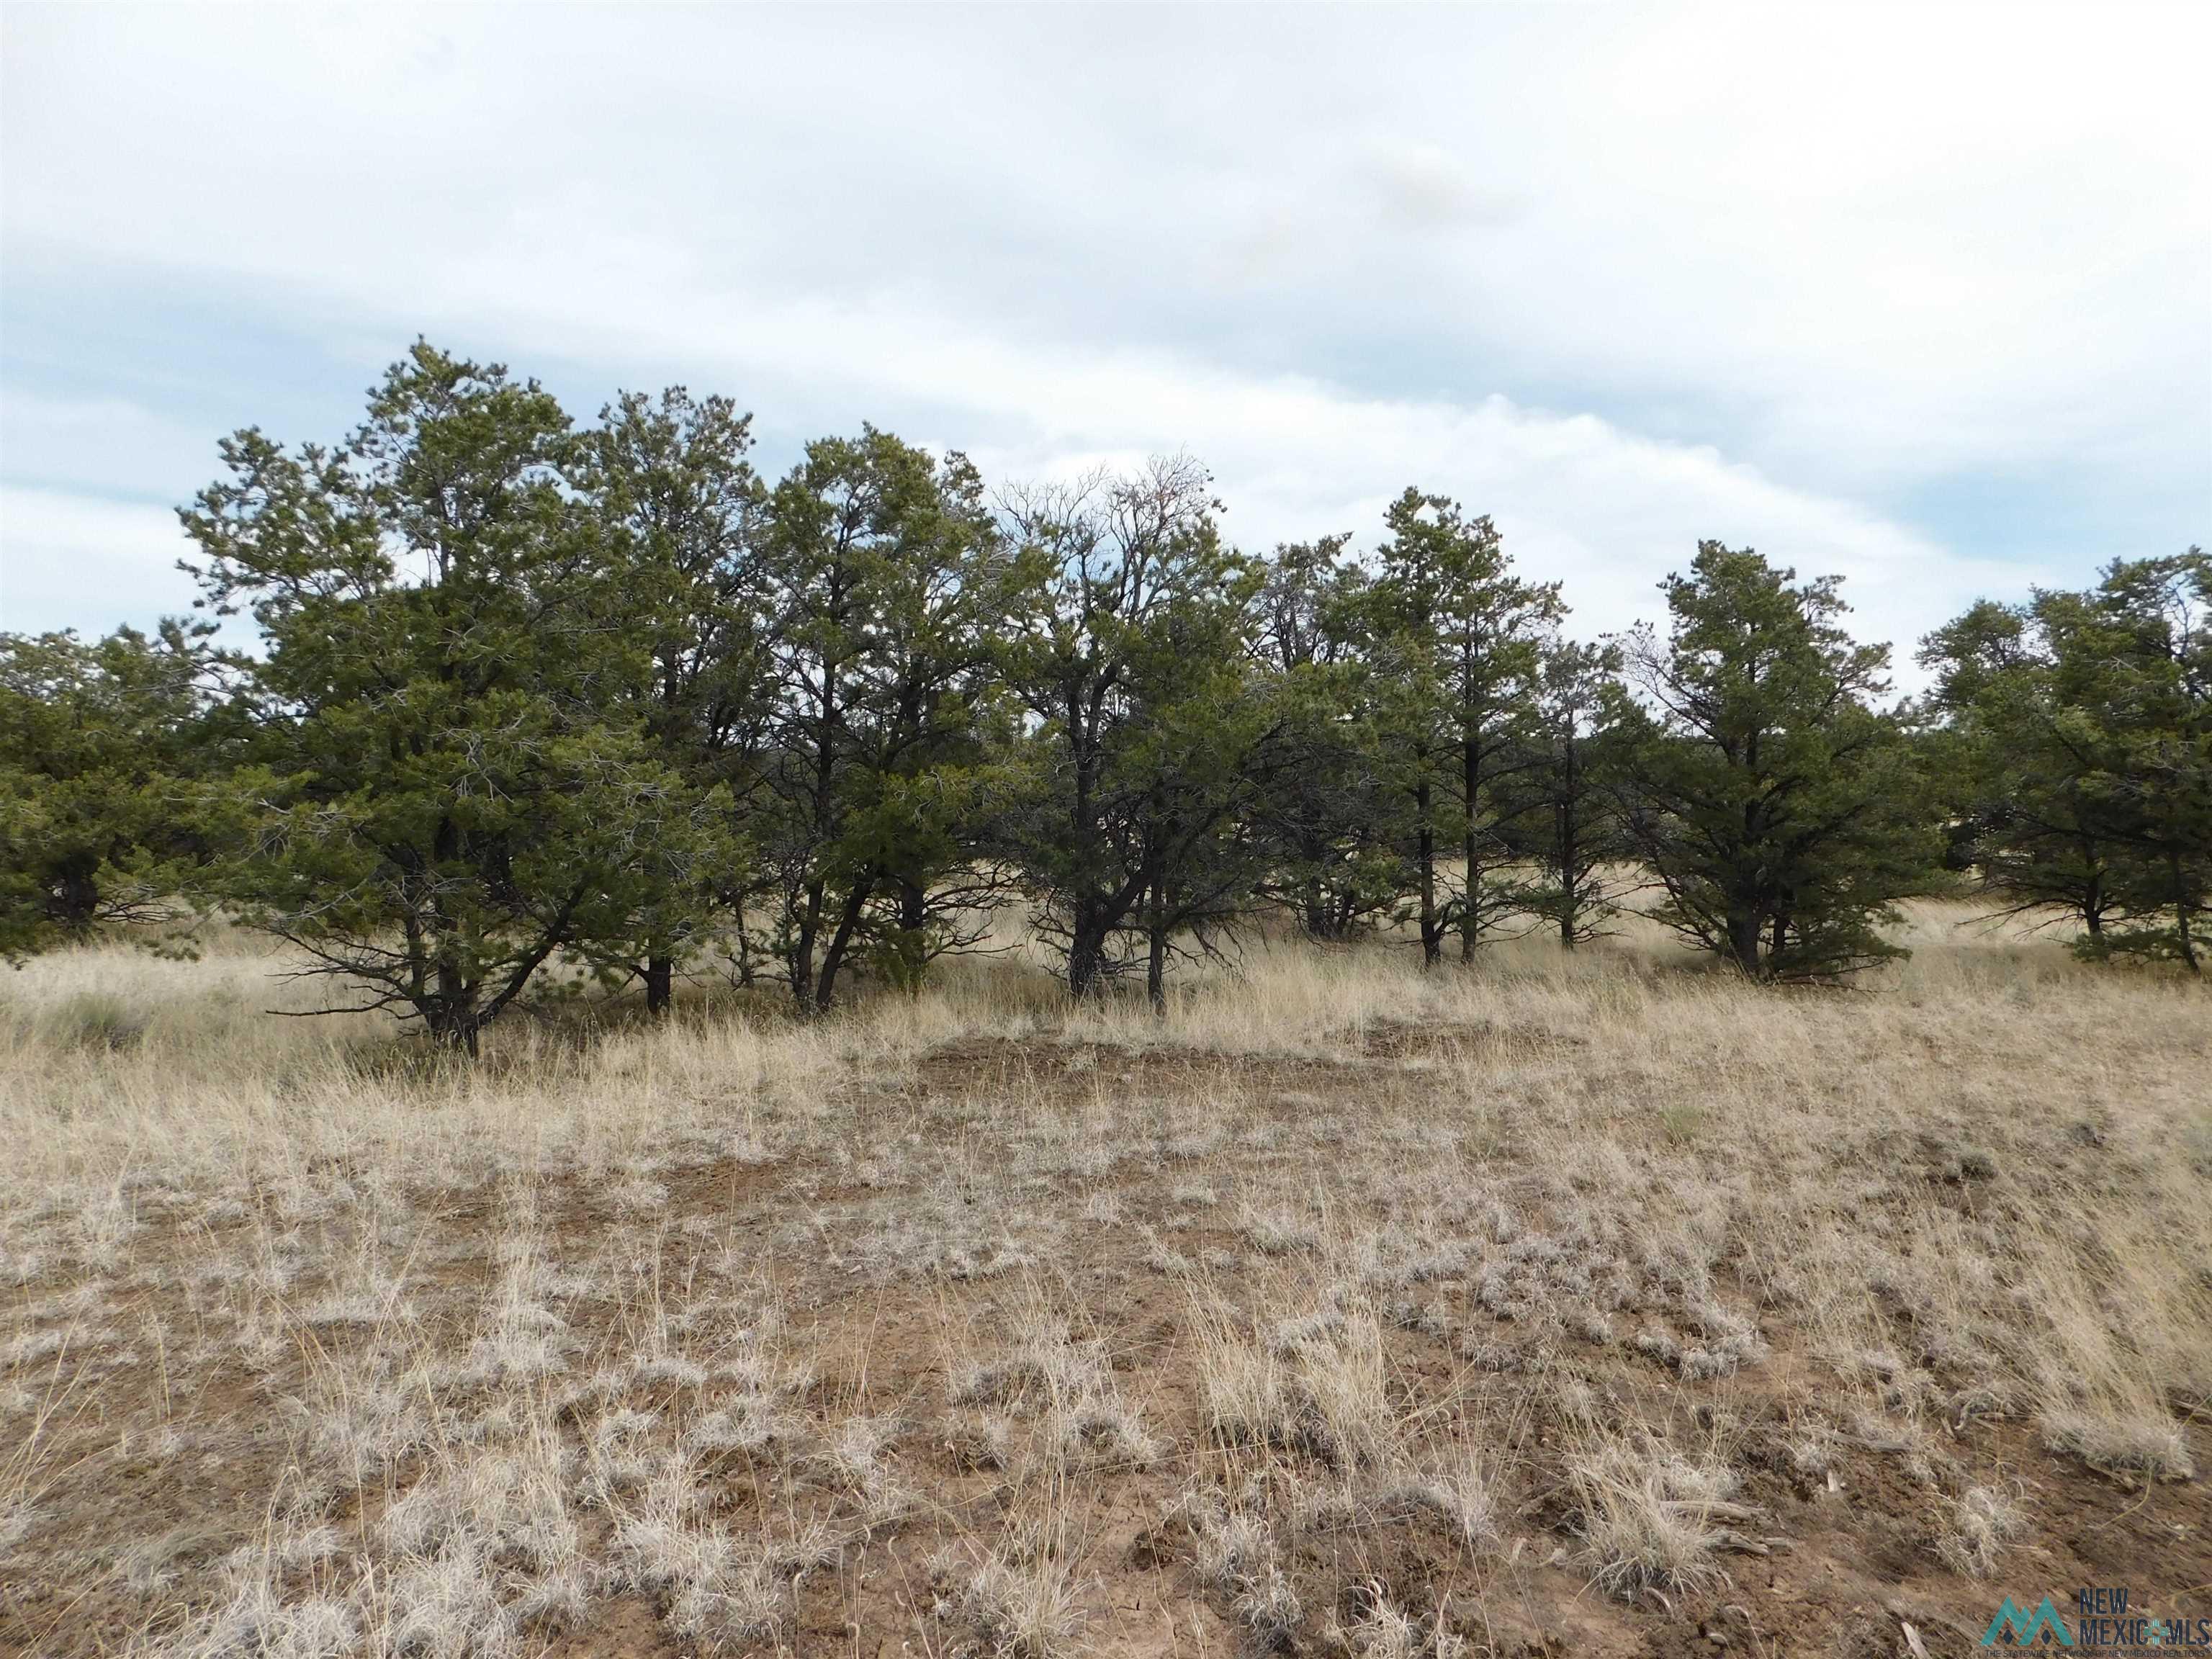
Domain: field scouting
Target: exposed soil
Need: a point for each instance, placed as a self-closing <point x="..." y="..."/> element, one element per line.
<point x="175" y="1429"/>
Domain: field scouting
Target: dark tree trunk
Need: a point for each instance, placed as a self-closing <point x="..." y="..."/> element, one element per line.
<point x="660" y="984"/>
<point x="1566" y="845"/>
<point x="1743" y="941"/>
<point x="1470" y="916"/>
<point x="744" y="951"/>
<point x="451" y="1017"/>
<point x="2182" y="908"/>
<point x="1432" y="932"/>
<point x="841" y="942"/>
<point x="1086" y="949"/>
<point x="802" y="949"/>
<point x="1317" y="913"/>
<point x="912" y="954"/>
<point x="73" y="900"/>
<point x="1156" y="960"/>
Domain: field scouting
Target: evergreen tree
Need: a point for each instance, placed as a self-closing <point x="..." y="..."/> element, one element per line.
<point x="1323" y="824"/>
<point x="2087" y="720"/>
<point x="2137" y="660"/>
<point x="1779" y="809"/>
<point x="1569" y="808"/>
<point x="1455" y="642"/>
<point x="452" y="786"/>
<point x="889" y="580"/>
<point x="684" y="509"/>
<point x="1133" y="660"/>
<point x="2038" y="839"/>
<point x="99" y="743"/>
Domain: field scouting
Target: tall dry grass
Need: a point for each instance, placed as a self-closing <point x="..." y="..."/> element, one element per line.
<point x="1969" y="1188"/>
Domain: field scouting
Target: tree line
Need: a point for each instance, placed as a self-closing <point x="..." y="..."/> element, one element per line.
<point x="523" y="691"/>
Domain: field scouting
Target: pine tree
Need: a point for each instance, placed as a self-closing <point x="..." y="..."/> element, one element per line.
<point x="889" y="579"/>
<point x="1455" y="641"/>
<point x="1133" y="659"/>
<point x="682" y="509"/>
<point x="452" y="785"/>
<point x="100" y="743"/>
<point x="2086" y="719"/>
<point x="2038" y="841"/>
<point x="1569" y="816"/>
<point x="1323" y="825"/>
<point x="1776" y="804"/>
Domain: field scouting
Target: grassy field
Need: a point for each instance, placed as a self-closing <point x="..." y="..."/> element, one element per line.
<point x="1570" y="1304"/>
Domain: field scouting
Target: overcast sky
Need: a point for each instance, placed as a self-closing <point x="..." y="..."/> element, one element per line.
<point x="1923" y="296"/>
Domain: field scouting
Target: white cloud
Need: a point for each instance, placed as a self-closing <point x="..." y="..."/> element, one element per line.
<point x="73" y="560"/>
<point x="1800" y="265"/>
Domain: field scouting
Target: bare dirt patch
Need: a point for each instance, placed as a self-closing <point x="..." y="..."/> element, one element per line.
<point x="1525" y="1315"/>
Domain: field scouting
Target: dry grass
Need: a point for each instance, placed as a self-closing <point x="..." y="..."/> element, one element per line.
<point x="1341" y="1306"/>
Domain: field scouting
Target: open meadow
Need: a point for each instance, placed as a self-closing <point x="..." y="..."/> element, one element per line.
<point x="1594" y="1303"/>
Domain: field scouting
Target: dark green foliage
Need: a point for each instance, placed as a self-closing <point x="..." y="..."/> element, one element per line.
<point x="454" y="779"/>
<point x="683" y="512"/>
<point x="1779" y="809"/>
<point x="1563" y="803"/>
<point x="2084" y="722"/>
<point x="1131" y="658"/>
<point x="891" y="580"/>
<point x="1454" y="642"/>
<point x="99" y="744"/>
<point x="526" y="694"/>
<point x="1323" y="824"/>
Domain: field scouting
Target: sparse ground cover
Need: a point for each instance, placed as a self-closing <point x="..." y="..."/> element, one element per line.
<point x="1591" y="1303"/>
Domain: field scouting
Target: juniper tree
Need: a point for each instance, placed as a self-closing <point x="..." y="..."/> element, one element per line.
<point x="101" y="743"/>
<point x="451" y="787"/>
<point x="2136" y="658"/>
<point x="937" y="729"/>
<point x="2040" y="840"/>
<point x="684" y="508"/>
<point x="2088" y="719"/>
<point x="1133" y="660"/>
<point x="1775" y="804"/>
<point x="889" y="580"/>
<point x="1567" y="803"/>
<point x="1323" y="824"/>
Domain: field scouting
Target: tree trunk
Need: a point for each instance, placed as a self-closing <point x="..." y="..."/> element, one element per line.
<point x="1743" y="941"/>
<point x="1566" y="844"/>
<point x="73" y="900"/>
<point x="451" y="1017"/>
<point x="1470" y="915"/>
<point x="1087" y="951"/>
<point x="802" y="949"/>
<point x="913" y="952"/>
<point x="660" y="984"/>
<point x="746" y="969"/>
<point x="1156" y="961"/>
<point x="2181" y="910"/>
<point x="1425" y="855"/>
<point x="841" y="942"/>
